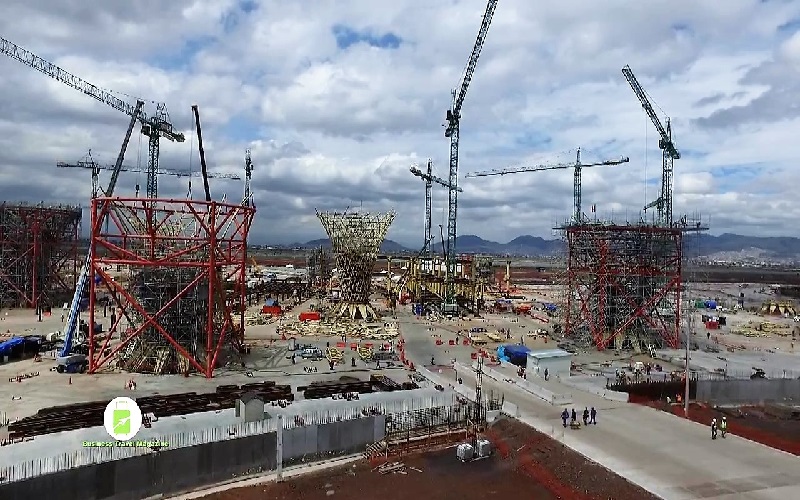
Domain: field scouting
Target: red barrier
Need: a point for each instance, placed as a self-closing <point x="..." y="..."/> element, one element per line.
<point x="451" y="342"/>
<point x="465" y="342"/>
<point x="340" y="345"/>
<point x="353" y="346"/>
<point x="474" y="355"/>
<point x="439" y="342"/>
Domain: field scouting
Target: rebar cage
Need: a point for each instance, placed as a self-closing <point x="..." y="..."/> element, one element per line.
<point x="180" y="293"/>
<point x="356" y="238"/>
<point x="38" y="254"/>
<point x="623" y="285"/>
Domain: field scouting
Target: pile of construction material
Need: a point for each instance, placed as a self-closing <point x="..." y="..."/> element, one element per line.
<point x="762" y="329"/>
<point x="341" y="328"/>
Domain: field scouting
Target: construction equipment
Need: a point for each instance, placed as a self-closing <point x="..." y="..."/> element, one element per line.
<point x="247" y="200"/>
<point x="429" y="179"/>
<point x="669" y="153"/>
<point x="154" y="127"/>
<point x="577" y="216"/>
<point x="88" y="163"/>
<point x="203" y="167"/>
<point x="452" y="130"/>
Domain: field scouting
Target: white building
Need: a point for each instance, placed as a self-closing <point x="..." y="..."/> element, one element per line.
<point x="557" y="362"/>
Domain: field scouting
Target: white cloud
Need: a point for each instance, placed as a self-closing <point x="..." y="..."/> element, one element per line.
<point x="331" y="128"/>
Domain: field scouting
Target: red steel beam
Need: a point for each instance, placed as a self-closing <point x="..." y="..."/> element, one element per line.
<point x="135" y="235"/>
<point x="589" y="282"/>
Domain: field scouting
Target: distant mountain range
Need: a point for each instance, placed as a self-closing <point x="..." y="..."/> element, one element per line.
<point x="723" y="247"/>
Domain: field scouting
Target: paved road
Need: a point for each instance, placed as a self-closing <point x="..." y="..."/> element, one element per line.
<point x="669" y="456"/>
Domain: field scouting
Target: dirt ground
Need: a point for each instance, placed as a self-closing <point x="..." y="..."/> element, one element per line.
<point x="749" y="422"/>
<point x="526" y="465"/>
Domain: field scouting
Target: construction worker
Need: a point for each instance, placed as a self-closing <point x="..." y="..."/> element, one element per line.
<point x="585" y="416"/>
<point x="593" y="416"/>
<point x="574" y="416"/>
<point x="564" y="416"/>
<point x="723" y="426"/>
<point x="713" y="428"/>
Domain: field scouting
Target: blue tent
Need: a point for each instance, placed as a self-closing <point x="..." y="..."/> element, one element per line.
<point x="8" y="345"/>
<point x="550" y="307"/>
<point x="271" y="302"/>
<point x="711" y="304"/>
<point x="516" y="354"/>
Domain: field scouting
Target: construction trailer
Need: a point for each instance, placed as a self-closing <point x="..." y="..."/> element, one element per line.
<point x="623" y="285"/>
<point x="180" y="305"/>
<point x="38" y="254"/>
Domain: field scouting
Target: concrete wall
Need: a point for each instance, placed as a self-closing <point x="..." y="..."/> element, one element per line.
<point x="175" y="470"/>
<point x="526" y="385"/>
<point x="749" y="391"/>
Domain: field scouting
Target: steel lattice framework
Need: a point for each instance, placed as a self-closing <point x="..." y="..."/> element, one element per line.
<point x="356" y="238"/>
<point x="623" y="285"/>
<point x="182" y="297"/>
<point x="38" y="254"/>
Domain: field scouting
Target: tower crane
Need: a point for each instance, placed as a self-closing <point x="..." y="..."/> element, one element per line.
<point x="90" y="164"/>
<point x="669" y="153"/>
<point x="154" y="127"/>
<point x="577" y="216"/>
<point x="429" y="179"/>
<point x="247" y="200"/>
<point x="452" y="132"/>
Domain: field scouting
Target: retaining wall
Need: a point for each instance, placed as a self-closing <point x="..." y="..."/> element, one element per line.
<point x="180" y="469"/>
<point x="527" y="386"/>
<point x="749" y="391"/>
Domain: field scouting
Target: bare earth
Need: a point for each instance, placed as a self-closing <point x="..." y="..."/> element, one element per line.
<point x="526" y="465"/>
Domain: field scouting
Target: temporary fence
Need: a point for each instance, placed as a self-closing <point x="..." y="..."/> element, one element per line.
<point x="352" y="410"/>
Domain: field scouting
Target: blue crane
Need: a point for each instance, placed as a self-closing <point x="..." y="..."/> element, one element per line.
<point x="577" y="216"/>
<point x="450" y="305"/>
<point x="669" y="153"/>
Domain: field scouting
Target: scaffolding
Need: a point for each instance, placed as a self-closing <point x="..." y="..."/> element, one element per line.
<point x="623" y="285"/>
<point x="180" y="294"/>
<point x="38" y="254"/>
<point x="355" y="238"/>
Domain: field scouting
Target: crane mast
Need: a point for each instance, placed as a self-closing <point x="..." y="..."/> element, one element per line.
<point x="577" y="216"/>
<point x="429" y="179"/>
<point x="669" y="153"/>
<point x="247" y="200"/>
<point x="155" y="127"/>
<point x="452" y="131"/>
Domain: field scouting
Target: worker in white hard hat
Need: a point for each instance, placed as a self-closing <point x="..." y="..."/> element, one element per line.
<point x="713" y="428"/>
<point x="723" y="426"/>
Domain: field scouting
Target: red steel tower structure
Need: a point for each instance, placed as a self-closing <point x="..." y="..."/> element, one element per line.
<point x="38" y="254"/>
<point x="623" y="285"/>
<point x="178" y="293"/>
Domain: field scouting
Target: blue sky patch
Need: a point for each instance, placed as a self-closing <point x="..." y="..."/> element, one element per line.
<point x="347" y="37"/>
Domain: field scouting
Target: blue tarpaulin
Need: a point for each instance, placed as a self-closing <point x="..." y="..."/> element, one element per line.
<point x="516" y="354"/>
<point x="550" y="307"/>
<point x="711" y="304"/>
<point x="8" y="345"/>
<point x="271" y="302"/>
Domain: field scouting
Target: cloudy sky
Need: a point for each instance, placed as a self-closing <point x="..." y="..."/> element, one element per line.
<point x="337" y="99"/>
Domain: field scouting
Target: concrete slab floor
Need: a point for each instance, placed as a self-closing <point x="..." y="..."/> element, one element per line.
<point x="269" y="359"/>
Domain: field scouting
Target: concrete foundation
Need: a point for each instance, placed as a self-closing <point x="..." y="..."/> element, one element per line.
<point x="181" y="469"/>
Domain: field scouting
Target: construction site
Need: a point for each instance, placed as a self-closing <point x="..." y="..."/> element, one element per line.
<point x="388" y="372"/>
